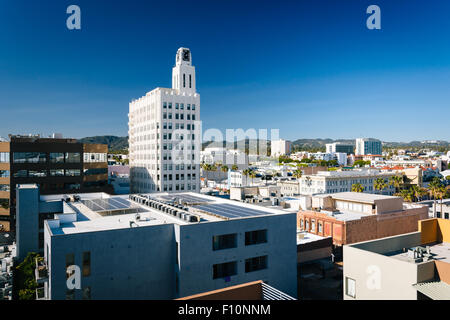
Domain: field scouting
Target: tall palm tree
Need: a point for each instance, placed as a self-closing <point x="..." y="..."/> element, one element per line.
<point x="357" y="187"/>
<point x="297" y="174"/>
<point x="397" y="182"/>
<point x="434" y="187"/>
<point x="441" y="194"/>
<point x="246" y="172"/>
<point x="407" y="195"/>
<point x="380" y="184"/>
<point x="234" y="167"/>
<point x="224" y="168"/>
<point x="252" y="174"/>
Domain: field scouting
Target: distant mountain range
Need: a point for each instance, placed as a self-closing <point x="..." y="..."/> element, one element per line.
<point x="121" y="143"/>
<point x="114" y="143"/>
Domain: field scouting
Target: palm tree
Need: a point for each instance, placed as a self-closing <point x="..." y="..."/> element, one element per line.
<point x="380" y="184"/>
<point x="252" y="175"/>
<point x="441" y="194"/>
<point x="357" y="187"/>
<point x="407" y="194"/>
<point x="396" y="181"/>
<point x="297" y="174"/>
<point x="435" y="188"/>
<point x="234" y="167"/>
<point x="224" y="168"/>
<point x="246" y="172"/>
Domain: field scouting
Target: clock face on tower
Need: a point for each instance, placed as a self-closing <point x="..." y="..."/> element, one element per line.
<point x="185" y="55"/>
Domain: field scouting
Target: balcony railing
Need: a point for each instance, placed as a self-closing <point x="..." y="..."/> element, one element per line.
<point x="40" y="293"/>
<point x="41" y="271"/>
<point x="270" y="293"/>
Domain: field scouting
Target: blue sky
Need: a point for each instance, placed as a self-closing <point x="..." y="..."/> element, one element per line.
<point x="309" y="68"/>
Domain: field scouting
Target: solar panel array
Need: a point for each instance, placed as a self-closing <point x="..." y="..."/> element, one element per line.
<point x="231" y="211"/>
<point x="186" y="198"/>
<point x="109" y="204"/>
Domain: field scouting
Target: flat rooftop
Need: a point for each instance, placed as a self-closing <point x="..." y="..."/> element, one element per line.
<point x="361" y="197"/>
<point x="440" y="251"/>
<point x="100" y="211"/>
<point x="306" y="237"/>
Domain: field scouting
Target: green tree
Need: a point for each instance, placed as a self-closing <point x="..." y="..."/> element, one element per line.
<point x="380" y="184"/>
<point x="357" y="187"/>
<point x="234" y="167"/>
<point x="297" y="174"/>
<point x="397" y="182"/>
<point x="25" y="283"/>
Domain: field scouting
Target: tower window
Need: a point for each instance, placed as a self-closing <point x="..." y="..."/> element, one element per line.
<point x="190" y="81"/>
<point x="184" y="80"/>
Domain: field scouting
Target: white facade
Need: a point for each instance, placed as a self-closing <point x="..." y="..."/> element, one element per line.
<point x="165" y="134"/>
<point x="280" y="148"/>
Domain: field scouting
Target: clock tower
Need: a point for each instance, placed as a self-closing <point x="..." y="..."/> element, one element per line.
<point x="183" y="74"/>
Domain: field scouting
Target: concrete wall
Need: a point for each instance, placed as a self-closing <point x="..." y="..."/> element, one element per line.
<point x="122" y="263"/>
<point x="27" y="223"/>
<point x="197" y="257"/>
<point x="379" y="277"/>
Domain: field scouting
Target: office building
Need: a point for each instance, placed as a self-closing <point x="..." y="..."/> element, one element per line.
<point x="366" y="146"/>
<point x="165" y="134"/>
<point x="411" y="266"/>
<point x="280" y="148"/>
<point x="340" y="147"/>
<point x="159" y="245"/>
<point x="57" y="165"/>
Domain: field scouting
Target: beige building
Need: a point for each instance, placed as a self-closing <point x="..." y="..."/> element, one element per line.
<point x="409" y="266"/>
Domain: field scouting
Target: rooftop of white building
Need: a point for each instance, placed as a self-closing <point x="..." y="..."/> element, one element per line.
<point x="100" y="211"/>
<point x="349" y="173"/>
<point x="359" y="197"/>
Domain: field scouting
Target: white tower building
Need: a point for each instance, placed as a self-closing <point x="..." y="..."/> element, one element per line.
<point x="165" y="134"/>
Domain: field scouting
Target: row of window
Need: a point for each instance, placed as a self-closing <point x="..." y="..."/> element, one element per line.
<point x="178" y="106"/>
<point x="178" y="187"/>
<point x="168" y="177"/>
<point x="43" y="157"/>
<point x="228" y="269"/>
<point x="44" y="173"/>
<point x="178" y="116"/>
<point x="168" y="125"/>
<point x="4" y="187"/>
<point x="228" y="241"/>
<point x="95" y="157"/>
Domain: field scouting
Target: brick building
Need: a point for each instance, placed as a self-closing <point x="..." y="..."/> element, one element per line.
<point x="351" y="217"/>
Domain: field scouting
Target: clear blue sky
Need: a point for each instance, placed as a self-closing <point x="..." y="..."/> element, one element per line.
<point x="309" y="68"/>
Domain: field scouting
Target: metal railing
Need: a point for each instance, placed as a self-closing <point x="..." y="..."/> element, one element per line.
<point x="270" y="293"/>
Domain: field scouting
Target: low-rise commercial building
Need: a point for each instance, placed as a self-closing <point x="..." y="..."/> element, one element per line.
<point x="342" y="181"/>
<point x="160" y="246"/>
<point x="351" y="217"/>
<point x="412" y="266"/>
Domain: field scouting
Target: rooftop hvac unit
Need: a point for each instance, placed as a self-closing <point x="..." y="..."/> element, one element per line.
<point x="187" y="217"/>
<point x="193" y="218"/>
<point x="174" y="212"/>
<point x="178" y="214"/>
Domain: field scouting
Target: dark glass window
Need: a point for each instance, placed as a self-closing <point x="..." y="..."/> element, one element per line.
<point x="255" y="237"/>
<point x="223" y="270"/>
<point x="255" y="264"/>
<point x="225" y="241"/>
